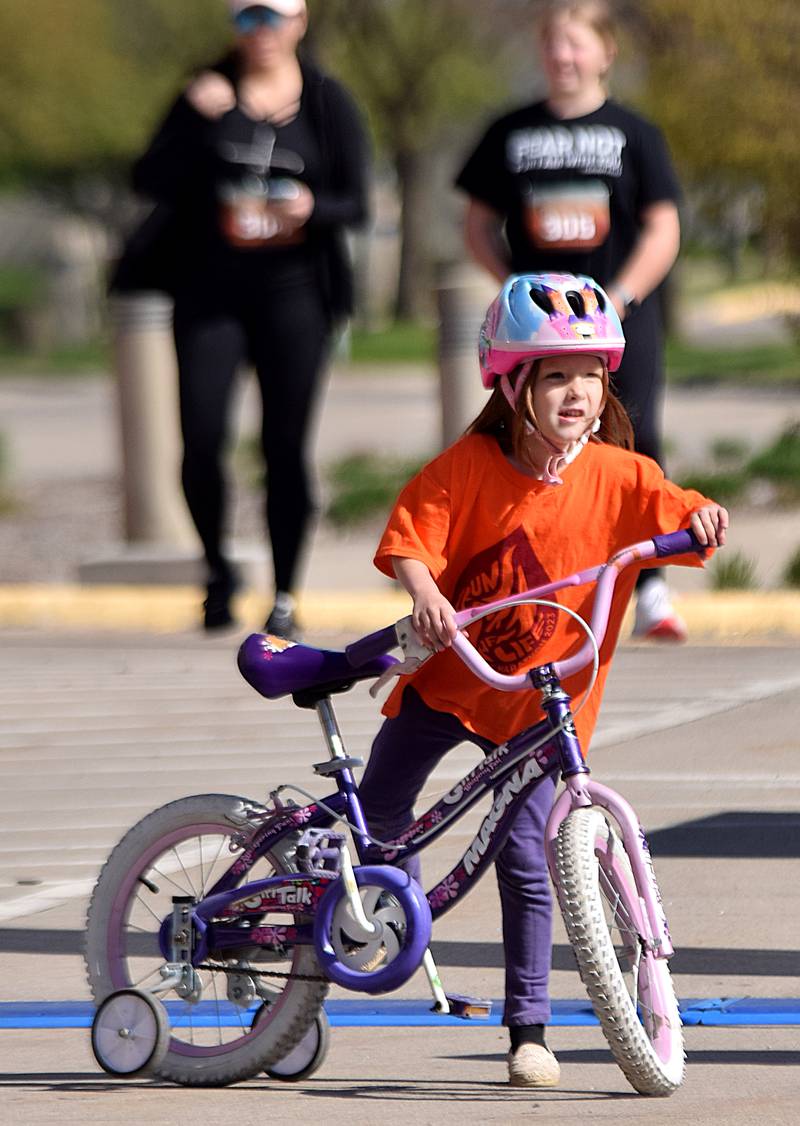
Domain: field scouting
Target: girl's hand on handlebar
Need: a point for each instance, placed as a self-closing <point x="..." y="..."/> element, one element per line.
<point x="433" y="619"/>
<point x="710" y="525"/>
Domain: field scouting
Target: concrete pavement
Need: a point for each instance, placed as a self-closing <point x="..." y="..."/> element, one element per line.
<point x="98" y="729"/>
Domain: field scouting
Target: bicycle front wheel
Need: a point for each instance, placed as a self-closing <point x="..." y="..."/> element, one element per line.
<point x="183" y="849"/>
<point x="630" y="989"/>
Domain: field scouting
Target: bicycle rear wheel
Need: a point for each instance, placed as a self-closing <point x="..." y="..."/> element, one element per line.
<point x="183" y="849"/>
<point x="630" y="989"/>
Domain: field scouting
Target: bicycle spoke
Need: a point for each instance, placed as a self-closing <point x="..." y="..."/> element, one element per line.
<point x="186" y="874"/>
<point x="149" y="911"/>
<point x="216" y="1005"/>
<point x="167" y="878"/>
<point x="206" y="880"/>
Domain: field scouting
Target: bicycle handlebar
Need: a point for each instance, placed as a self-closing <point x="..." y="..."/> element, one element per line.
<point x="677" y="543"/>
<point x="373" y="645"/>
<point x="659" y="547"/>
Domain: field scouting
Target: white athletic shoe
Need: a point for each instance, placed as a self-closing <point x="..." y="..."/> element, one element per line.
<point x="532" y="1065"/>
<point x="655" y="618"/>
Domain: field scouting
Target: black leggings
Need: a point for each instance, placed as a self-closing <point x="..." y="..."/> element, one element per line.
<point x="639" y="384"/>
<point x="285" y="336"/>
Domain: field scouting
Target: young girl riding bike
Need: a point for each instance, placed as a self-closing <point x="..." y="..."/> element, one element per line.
<point x="543" y="483"/>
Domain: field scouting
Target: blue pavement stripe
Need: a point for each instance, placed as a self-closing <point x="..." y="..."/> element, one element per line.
<point x="708" y="1012"/>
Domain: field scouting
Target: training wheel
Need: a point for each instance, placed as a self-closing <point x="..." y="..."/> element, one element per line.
<point x="306" y="1056"/>
<point x="130" y="1033"/>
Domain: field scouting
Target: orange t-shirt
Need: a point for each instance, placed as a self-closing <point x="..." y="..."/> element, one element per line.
<point x="485" y="530"/>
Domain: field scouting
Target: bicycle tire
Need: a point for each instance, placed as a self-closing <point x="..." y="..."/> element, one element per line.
<point x="598" y="895"/>
<point x="130" y="1034"/>
<point x="307" y="1056"/>
<point x="120" y="956"/>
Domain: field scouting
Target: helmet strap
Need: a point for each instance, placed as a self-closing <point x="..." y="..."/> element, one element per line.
<point x="558" y="457"/>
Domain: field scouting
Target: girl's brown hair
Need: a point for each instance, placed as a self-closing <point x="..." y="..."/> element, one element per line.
<point x="509" y="427"/>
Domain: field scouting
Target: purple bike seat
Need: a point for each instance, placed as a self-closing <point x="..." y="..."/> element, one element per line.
<point x="276" y="668"/>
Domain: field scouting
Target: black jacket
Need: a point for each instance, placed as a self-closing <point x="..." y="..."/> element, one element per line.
<point x="169" y="168"/>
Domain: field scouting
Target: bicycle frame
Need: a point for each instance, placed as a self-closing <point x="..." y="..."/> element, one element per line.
<point x="512" y="771"/>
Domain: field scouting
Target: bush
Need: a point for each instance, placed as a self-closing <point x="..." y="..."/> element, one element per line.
<point x="725" y="488"/>
<point x="7" y="502"/>
<point x="781" y="461"/>
<point x="791" y="576"/>
<point x="779" y="464"/>
<point x="733" y="571"/>
<point x="729" y="451"/>
<point x="366" y="485"/>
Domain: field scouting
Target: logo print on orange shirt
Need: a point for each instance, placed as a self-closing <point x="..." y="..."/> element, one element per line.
<point x="509" y="638"/>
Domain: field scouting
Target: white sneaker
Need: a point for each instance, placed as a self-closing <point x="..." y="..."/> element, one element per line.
<point x="655" y="618"/>
<point x="533" y="1066"/>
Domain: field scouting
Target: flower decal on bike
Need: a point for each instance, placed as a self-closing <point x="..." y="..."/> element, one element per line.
<point x="447" y="890"/>
<point x="302" y="815"/>
<point x="270" y="936"/>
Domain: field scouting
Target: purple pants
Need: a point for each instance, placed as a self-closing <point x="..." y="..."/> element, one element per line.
<point x="405" y="752"/>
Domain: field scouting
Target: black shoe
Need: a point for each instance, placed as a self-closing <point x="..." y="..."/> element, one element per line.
<point x="217" y="606"/>
<point x="281" y="623"/>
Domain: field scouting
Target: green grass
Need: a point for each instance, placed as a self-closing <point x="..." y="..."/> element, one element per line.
<point x="67" y="359"/>
<point x="733" y="572"/>
<point x="403" y="342"/>
<point x="775" y="365"/>
<point x="772" y="364"/>
<point x="21" y="287"/>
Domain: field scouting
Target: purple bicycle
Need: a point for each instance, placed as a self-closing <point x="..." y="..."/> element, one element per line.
<point x="240" y="914"/>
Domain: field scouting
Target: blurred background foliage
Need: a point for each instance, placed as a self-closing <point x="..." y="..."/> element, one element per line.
<point x="78" y="102"/>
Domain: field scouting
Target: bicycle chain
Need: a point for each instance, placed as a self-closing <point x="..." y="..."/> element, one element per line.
<point x="260" y="973"/>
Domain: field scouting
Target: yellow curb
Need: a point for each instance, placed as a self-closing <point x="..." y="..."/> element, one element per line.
<point x="740" y="615"/>
<point x="725" y="616"/>
<point x="175" y="609"/>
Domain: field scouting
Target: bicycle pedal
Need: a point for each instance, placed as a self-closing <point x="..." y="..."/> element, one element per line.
<point x="468" y="1008"/>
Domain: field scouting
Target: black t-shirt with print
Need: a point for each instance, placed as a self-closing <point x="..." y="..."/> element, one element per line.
<point x="250" y="163"/>
<point x="571" y="191"/>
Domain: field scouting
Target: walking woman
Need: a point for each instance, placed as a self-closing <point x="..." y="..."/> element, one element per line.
<point x="261" y="162"/>
<point x="577" y="183"/>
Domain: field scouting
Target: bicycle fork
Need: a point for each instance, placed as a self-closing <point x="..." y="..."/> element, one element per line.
<point x="582" y="791"/>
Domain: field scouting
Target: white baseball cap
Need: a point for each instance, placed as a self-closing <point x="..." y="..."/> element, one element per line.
<point x="285" y="7"/>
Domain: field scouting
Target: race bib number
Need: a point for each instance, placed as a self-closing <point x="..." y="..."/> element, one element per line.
<point x="252" y="222"/>
<point x="572" y="216"/>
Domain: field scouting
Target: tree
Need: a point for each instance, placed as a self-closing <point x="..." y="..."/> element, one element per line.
<point x="722" y="80"/>
<point x="81" y="99"/>
<point x="419" y="69"/>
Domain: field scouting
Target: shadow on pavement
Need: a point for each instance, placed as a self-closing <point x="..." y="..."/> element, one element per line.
<point x="750" y="1058"/>
<point x="746" y="833"/>
<point x="687" y="960"/>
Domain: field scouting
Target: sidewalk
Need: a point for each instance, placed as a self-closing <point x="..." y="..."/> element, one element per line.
<point x="61" y="436"/>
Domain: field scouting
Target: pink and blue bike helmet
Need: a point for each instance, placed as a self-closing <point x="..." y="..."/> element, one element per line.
<point x="537" y="315"/>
